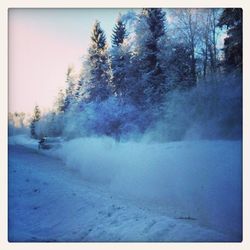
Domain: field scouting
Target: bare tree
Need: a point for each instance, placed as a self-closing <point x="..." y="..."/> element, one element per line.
<point x="197" y="28"/>
<point x="213" y="17"/>
<point x="186" y="23"/>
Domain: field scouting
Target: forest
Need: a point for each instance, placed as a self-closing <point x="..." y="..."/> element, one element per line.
<point x="170" y="73"/>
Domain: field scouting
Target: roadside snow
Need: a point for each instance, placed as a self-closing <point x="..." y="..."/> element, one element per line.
<point x="197" y="179"/>
<point x="50" y="202"/>
<point x="23" y="140"/>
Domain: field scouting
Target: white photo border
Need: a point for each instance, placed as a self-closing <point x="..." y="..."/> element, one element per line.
<point x="5" y="5"/>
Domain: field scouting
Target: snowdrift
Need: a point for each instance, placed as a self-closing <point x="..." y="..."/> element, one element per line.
<point x="24" y="140"/>
<point x="39" y="185"/>
<point x="197" y="179"/>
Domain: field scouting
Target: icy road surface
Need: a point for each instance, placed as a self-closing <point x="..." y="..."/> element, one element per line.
<point x="49" y="202"/>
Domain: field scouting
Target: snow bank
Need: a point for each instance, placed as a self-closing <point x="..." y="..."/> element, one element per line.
<point x="23" y="140"/>
<point x="49" y="203"/>
<point x="203" y="179"/>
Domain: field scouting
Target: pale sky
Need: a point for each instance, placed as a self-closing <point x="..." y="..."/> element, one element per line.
<point x="42" y="44"/>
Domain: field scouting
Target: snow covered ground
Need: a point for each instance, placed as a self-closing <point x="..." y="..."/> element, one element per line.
<point x="54" y="196"/>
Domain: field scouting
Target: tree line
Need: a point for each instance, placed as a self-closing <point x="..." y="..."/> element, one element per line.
<point x="129" y="80"/>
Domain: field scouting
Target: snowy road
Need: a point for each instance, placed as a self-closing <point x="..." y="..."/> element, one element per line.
<point x="49" y="202"/>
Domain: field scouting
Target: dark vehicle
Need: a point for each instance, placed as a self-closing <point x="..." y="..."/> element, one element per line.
<point x="48" y="143"/>
<point x="42" y="144"/>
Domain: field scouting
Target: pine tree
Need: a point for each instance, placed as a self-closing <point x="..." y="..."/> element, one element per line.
<point x="119" y="33"/>
<point x="36" y="117"/>
<point x="232" y="19"/>
<point x="60" y="101"/>
<point x="156" y="21"/>
<point x="98" y="69"/>
<point x="150" y="31"/>
<point x="78" y="90"/>
<point x="70" y="90"/>
<point x="120" y="61"/>
<point x="180" y="69"/>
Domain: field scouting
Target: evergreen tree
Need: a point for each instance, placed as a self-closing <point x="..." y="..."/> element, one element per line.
<point x="60" y="101"/>
<point x="232" y="19"/>
<point x="98" y="69"/>
<point x="180" y="69"/>
<point x="78" y="90"/>
<point x="120" y="61"/>
<point x="36" y="117"/>
<point x="70" y="90"/>
<point x="150" y="30"/>
<point x="119" y="33"/>
<point x="156" y="22"/>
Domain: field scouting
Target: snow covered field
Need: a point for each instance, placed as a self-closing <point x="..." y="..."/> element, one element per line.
<point x="100" y="190"/>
